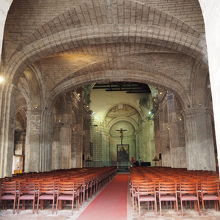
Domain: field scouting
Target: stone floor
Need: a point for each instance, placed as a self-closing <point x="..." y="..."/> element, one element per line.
<point x="44" y="214"/>
<point x="209" y="214"/>
<point x="171" y="215"/>
<point x="66" y="215"/>
<point x="132" y="214"/>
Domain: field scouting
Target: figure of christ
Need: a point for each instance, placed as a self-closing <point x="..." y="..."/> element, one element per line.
<point x="121" y="134"/>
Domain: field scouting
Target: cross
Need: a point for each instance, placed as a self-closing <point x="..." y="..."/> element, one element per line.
<point x="121" y="133"/>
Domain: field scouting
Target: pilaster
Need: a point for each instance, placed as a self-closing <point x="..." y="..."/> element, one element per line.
<point x="32" y="146"/>
<point x="199" y="140"/>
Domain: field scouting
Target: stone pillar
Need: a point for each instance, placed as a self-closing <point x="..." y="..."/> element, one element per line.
<point x="177" y="152"/>
<point x="78" y="149"/>
<point x="151" y="141"/>
<point x="56" y="149"/>
<point x="32" y="143"/>
<point x="86" y="137"/>
<point x="73" y="147"/>
<point x="97" y="138"/>
<point x="164" y="137"/>
<point x="157" y="134"/>
<point x="105" y="147"/>
<point x="136" y="144"/>
<point x="77" y="142"/>
<point x="46" y="143"/>
<point x="62" y="142"/>
<point x="65" y="145"/>
<point x="199" y="140"/>
<point x="7" y="115"/>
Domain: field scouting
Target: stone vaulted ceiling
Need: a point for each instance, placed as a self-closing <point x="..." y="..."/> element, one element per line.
<point x="69" y="40"/>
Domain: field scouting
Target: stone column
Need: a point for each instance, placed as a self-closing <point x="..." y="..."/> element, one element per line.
<point x="137" y="144"/>
<point x="74" y="142"/>
<point x="46" y="143"/>
<point x="77" y="142"/>
<point x="79" y="150"/>
<point x="157" y="134"/>
<point x="199" y="140"/>
<point x="177" y="152"/>
<point x="105" y="146"/>
<point x="164" y="136"/>
<point x="97" y="143"/>
<point x="62" y="142"/>
<point x="7" y="115"/>
<point x="65" y="144"/>
<point x="56" y="149"/>
<point x="86" y="137"/>
<point x="76" y="149"/>
<point x="32" y="146"/>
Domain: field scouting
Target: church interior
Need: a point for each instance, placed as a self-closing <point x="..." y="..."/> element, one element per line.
<point x="106" y="106"/>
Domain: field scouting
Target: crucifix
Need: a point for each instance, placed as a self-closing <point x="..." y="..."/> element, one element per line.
<point x="121" y="133"/>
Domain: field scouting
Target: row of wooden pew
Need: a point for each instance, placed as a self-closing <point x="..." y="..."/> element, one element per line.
<point x="58" y="187"/>
<point x="167" y="187"/>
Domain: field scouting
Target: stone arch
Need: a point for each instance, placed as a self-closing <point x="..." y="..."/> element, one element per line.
<point x="19" y="131"/>
<point x="42" y="89"/>
<point x="123" y="121"/>
<point x="130" y="120"/>
<point x="72" y="38"/>
<point x="208" y="96"/>
<point x="8" y="3"/>
<point x="122" y="75"/>
<point x="21" y="111"/>
<point x="122" y="63"/>
<point x="107" y="111"/>
<point x="199" y="84"/>
<point x="30" y="86"/>
<point x="145" y="15"/>
<point x="5" y="6"/>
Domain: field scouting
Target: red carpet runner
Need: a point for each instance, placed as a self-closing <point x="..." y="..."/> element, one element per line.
<point x="111" y="203"/>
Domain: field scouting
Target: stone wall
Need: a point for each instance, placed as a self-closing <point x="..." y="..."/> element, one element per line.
<point x="71" y="132"/>
<point x="170" y="131"/>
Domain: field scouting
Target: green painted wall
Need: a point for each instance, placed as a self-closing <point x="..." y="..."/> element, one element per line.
<point x="115" y="110"/>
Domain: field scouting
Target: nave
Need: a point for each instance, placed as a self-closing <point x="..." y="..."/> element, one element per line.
<point x="104" y="193"/>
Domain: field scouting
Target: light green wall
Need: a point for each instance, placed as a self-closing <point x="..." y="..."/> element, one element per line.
<point x="105" y="138"/>
<point x="102" y="101"/>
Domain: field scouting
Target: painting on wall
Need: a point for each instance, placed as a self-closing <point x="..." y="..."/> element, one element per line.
<point x="123" y="152"/>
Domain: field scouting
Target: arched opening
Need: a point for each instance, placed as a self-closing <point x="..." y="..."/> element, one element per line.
<point x="123" y="122"/>
<point x="18" y="163"/>
<point x="85" y="129"/>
